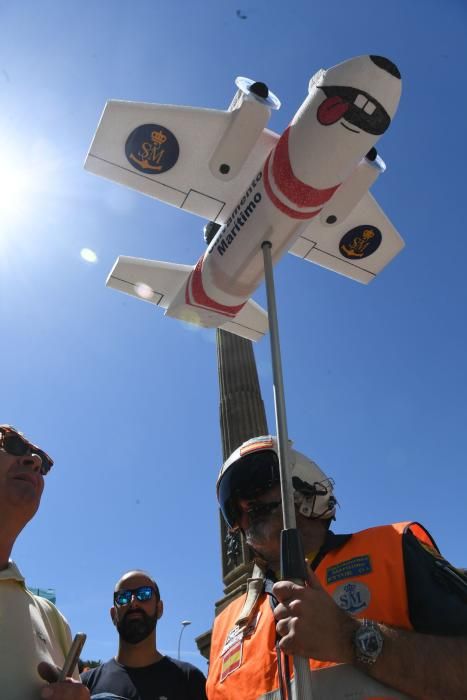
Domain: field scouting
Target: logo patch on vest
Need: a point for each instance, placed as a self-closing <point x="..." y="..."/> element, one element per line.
<point x="235" y="634"/>
<point x="233" y="646"/>
<point x="352" y="597"/>
<point x="239" y="633"/>
<point x="358" y="566"/>
<point x="231" y="660"/>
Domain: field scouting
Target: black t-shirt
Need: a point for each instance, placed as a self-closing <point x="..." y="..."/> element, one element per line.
<point x="167" y="679"/>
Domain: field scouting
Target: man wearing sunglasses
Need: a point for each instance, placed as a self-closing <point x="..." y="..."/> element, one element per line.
<point x="383" y="615"/>
<point x="139" y="671"/>
<point x="34" y="637"/>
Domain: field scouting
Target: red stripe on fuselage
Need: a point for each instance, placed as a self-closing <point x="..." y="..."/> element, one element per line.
<point x="292" y="213"/>
<point x="295" y="190"/>
<point x="200" y="298"/>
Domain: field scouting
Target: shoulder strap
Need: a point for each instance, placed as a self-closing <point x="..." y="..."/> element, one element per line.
<point x="255" y="587"/>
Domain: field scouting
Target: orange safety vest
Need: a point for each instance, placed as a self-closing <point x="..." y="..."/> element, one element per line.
<point x="365" y="576"/>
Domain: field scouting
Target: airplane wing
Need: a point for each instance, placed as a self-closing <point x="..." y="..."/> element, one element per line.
<point x="164" y="151"/>
<point x="358" y="247"/>
<point x="149" y="280"/>
<point x="250" y="323"/>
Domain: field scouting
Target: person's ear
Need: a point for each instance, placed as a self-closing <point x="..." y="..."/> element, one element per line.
<point x="160" y="609"/>
<point x="113" y="615"/>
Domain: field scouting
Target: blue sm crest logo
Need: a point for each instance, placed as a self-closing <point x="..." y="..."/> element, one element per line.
<point x="352" y="597"/>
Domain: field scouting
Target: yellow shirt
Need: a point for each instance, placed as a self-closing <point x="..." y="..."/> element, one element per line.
<point x="31" y="630"/>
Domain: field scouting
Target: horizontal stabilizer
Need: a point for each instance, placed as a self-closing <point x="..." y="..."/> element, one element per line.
<point x="250" y="323"/>
<point x="149" y="280"/>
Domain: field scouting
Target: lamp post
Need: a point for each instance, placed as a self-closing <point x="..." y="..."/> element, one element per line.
<point x="184" y="623"/>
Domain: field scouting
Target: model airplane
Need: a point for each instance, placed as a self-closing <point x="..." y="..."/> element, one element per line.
<point x="305" y="191"/>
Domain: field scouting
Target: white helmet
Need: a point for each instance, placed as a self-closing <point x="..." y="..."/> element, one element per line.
<point x="254" y="468"/>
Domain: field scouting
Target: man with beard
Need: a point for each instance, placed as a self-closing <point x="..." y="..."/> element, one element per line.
<point x="34" y="636"/>
<point x="139" y="671"/>
<point x="382" y="615"/>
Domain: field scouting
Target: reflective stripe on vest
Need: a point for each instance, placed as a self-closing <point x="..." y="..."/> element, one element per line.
<point x="342" y="682"/>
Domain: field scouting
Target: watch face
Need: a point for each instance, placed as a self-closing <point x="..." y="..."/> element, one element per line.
<point x="368" y="642"/>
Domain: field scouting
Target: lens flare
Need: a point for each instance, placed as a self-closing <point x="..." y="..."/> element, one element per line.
<point x="144" y="291"/>
<point x="88" y="255"/>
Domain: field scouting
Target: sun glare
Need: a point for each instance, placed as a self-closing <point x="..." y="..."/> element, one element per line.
<point x="16" y="186"/>
<point x="24" y="186"/>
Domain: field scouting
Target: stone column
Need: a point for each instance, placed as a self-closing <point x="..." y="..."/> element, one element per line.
<point x="242" y="416"/>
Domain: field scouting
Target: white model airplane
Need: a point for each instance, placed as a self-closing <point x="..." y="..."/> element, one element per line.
<point x="305" y="191"/>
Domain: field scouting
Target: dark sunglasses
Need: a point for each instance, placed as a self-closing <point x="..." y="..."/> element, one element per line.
<point x="15" y="444"/>
<point x="142" y="594"/>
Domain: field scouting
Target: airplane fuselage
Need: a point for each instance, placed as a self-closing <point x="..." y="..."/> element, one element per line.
<point x="345" y="112"/>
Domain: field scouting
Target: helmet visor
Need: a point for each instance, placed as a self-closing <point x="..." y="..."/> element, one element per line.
<point x="247" y="478"/>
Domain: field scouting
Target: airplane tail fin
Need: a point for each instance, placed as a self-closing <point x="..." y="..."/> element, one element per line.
<point x="251" y="322"/>
<point x="163" y="284"/>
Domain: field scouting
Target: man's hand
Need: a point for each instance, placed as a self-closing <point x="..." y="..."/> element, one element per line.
<point x="66" y="690"/>
<point x="311" y="624"/>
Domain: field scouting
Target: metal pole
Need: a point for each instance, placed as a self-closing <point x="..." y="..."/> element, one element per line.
<point x="184" y="624"/>
<point x="292" y="558"/>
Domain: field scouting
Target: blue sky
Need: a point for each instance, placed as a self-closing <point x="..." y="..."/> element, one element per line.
<point x="126" y="400"/>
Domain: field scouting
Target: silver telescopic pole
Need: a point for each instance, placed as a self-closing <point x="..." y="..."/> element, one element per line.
<point x="292" y="559"/>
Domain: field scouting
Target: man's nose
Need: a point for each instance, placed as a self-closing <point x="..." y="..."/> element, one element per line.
<point x="243" y="504"/>
<point x="32" y="461"/>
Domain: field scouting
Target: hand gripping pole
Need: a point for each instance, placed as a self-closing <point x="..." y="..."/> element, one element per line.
<point x="292" y="558"/>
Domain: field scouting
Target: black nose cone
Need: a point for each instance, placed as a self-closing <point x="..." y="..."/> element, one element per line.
<point x="386" y="65"/>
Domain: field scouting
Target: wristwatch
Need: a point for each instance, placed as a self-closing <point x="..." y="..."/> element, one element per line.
<point x="368" y="642"/>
